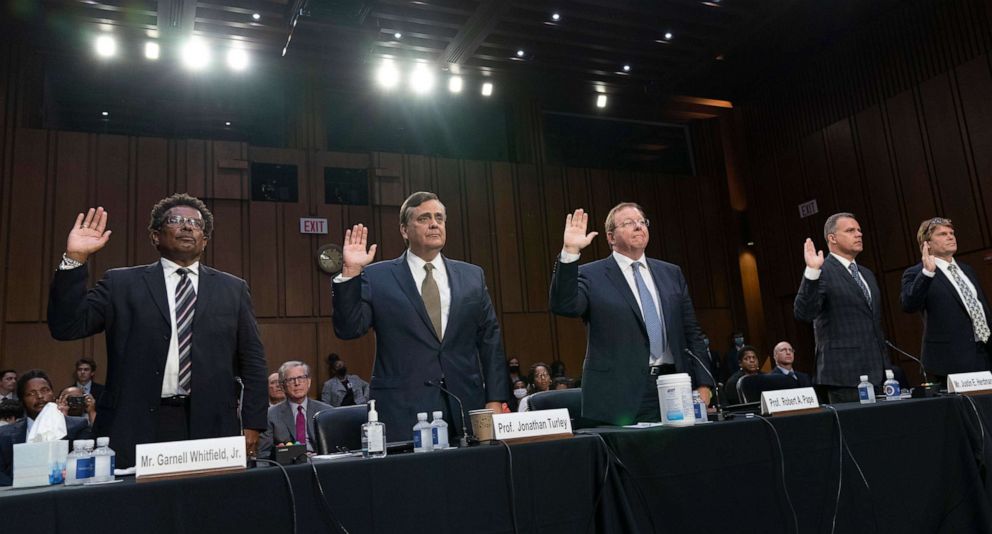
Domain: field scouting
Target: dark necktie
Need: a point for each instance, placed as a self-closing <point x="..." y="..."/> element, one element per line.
<point x="978" y="320"/>
<point x="185" y="305"/>
<point x="301" y="425"/>
<point x="652" y="319"/>
<point x="432" y="298"/>
<point x="853" y="267"/>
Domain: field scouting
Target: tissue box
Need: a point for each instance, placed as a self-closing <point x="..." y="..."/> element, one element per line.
<point x="40" y="464"/>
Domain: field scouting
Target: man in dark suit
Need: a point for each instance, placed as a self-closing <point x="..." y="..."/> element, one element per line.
<point x="433" y="320"/>
<point x="85" y="378"/>
<point x="955" y="311"/>
<point x="292" y="419"/>
<point x="784" y="356"/>
<point x="842" y="300"/>
<point x="639" y="318"/>
<point x="35" y="390"/>
<point x="178" y="333"/>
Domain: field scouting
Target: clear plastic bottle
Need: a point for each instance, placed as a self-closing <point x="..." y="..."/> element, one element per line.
<point x="699" y="408"/>
<point x="893" y="391"/>
<point x="85" y="462"/>
<point x="373" y="435"/>
<point x="105" y="458"/>
<point x="439" y="431"/>
<point x="72" y="463"/>
<point x="866" y="391"/>
<point x="422" y="441"/>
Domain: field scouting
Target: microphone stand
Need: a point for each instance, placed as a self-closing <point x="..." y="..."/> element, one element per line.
<point x="720" y="415"/>
<point x="927" y="388"/>
<point x="466" y="436"/>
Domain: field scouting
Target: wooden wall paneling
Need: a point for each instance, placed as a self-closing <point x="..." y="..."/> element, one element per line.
<point x="602" y="198"/>
<point x="69" y="197"/>
<point x="449" y="191"/>
<point x="911" y="162"/>
<point x="556" y="208"/>
<point x="115" y="166"/>
<point x="508" y="238"/>
<point x="229" y="183"/>
<point x="263" y="265"/>
<point x="348" y="160"/>
<point x="226" y="251"/>
<point x="717" y="324"/>
<point x="298" y="262"/>
<point x="197" y="168"/>
<point x="817" y="180"/>
<point x="26" y="233"/>
<point x="31" y="346"/>
<point x="419" y="174"/>
<point x="975" y="84"/>
<point x="645" y="193"/>
<point x="534" y="240"/>
<point x="358" y="354"/>
<point x="150" y="185"/>
<point x="716" y="226"/>
<point x="904" y="329"/>
<point x="527" y="336"/>
<point x="847" y="184"/>
<point x="479" y="226"/>
<point x="793" y="191"/>
<point x="951" y="166"/>
<point x="571" y="339"/>
<point x="387" y="189"/>
<point x="285" y="341"/>
<point x="696" y="269"/>
<point x="623" y="186"/>
<point x="668" y="216"/>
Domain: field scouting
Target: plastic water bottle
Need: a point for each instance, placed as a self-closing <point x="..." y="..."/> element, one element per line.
<point x="866" y="391"/>
<point x="105" y="458"/>
<point x="699" y="408"/>
<point x="72" y="463"/>
<point x="422" y="440"/>
<point x="891" y="387"/>
<point x="439" y="431"/>
<point x="373" y="435"/>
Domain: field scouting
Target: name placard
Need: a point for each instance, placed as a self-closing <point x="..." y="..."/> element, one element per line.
<point x="788" y="400"/>
<point x="516" y="425"/>
<point x="197" y="455"/>
<point x="969" y="382"/>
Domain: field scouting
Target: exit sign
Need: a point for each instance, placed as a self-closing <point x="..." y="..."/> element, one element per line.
<point x="310" y="225"/>
<point x="808" y="208"/>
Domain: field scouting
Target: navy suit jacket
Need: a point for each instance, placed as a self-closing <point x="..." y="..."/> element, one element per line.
<point x="470" y="358"/>
<point x="948" y="333"/>
<point x="131" y="306"/>
<point x="282" y="426"/>
<point x="802" y="379"/>
<point x="17" y="432"/>
<point x="618" y="350"/>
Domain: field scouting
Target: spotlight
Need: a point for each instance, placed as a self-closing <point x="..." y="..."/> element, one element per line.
<point x="520" y="53"/>
<point x="196" y="54"/>
<point x="397" y="36"/>
<point x="455" y="84"/>
<point x="600" y="101"/>
<point x="227" y="123"/>
<point x="387" y="75"/>
<point x="106" y="46"/>
<point x="256" y="17"/>
<point x="555" y="17"/>
<point x="668" y="36"/>
<point x="626" y="68"/>
<point x="104" y="113"/>
<point x="151" y="50"/>
<point x="487" y="89"/>
<point x="421" y="79"/>
<point x="237" y="59"/>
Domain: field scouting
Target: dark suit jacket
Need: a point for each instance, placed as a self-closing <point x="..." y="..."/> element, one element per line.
<point x="17" y="432"/>
<point x="408" y="352"/>
<point x="849" y="338"/>
<point x="282" y="426"/>
<point x="618" y="350"/>
<point x="802" y="379"/>
<point x="131" y="306"/>
<point x="948" y="333"/>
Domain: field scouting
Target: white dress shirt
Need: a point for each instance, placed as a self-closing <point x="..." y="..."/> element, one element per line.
<point x="170" y="378"/>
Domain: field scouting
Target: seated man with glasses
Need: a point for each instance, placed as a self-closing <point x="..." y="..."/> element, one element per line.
<point x="292" y="419"/>
<point x="35" y="391"/>
<point x="182" y="340"/>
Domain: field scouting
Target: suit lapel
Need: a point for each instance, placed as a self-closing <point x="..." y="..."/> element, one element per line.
<point x="615" y="276"/>
<point x="155" y="281"/>
<point x="401" y="271"/>
<point x="849" y="280"/>
<point x="288" y="419"/>
<point x="658" y="285"/>
<point x="949" y="286"/>
<point x="456" y="286"/>
<point x="204" y="292"/>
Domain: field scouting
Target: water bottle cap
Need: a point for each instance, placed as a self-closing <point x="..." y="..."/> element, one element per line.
<point x="864" y="378"/>
<point x="438" y="414"/>
<point x="88" y="444"/>
<point x="888" y="374"/>
<point x="422" y="416"/>
<point x="102" y="442"/>
<point x="78" y="444"/>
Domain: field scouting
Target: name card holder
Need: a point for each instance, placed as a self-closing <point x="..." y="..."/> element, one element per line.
<point x="789" y="401"/>
<point x="538" y="425"/>
<point x="977" y="383"/>
<point x="197" y="457"/>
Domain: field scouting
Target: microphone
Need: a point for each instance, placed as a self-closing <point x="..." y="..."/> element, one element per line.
<point x="241" y="400"/>
<point x="719" y="405"/>
<point x="466" y="430"/>
<point x="927" y="388"/>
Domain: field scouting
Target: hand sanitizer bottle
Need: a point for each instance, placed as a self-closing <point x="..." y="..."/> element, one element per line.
<point x="373" y="435"/>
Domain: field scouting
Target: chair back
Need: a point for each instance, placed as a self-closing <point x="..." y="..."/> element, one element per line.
<point x="570" y="399"/>
<point x="340" y="428"/>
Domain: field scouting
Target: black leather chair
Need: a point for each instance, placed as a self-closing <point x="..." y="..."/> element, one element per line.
<point x="750" y="387"/>
<point x="562" y="398"/>
<point x="340" y="428"/>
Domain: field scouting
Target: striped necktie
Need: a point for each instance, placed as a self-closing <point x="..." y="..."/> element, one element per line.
<point x="185" y="305"/>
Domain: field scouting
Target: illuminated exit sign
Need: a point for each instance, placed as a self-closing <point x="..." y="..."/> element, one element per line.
<point x="313" y="226"/>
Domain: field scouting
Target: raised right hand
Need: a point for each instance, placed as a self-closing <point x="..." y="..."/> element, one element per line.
<point x="89" y="234"/>
<point x="927" y="258"/>
<point x="814" y="258"/>
<point x="356" y="257"/>
<point x="575" y="236"/>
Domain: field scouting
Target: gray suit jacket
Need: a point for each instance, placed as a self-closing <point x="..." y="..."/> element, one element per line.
<point x="849" y="336"/>
<point x="282" y="426"/>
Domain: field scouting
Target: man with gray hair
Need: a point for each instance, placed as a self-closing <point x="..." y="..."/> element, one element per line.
<point x="842" y="300"/>
<point x="292" y="419"/>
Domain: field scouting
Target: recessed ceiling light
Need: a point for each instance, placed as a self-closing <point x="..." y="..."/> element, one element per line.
<point x="555" y="17"/>
<point x="256" y="16"/>
<point x="668" y="35"/>
<point x="105" y="113"/>
<point x="106" y="46"/>
<point x="227" y="123"/>
<point x="520" y="53"/>
<point x="421" y="79"/>
<point x="626" y="68"/>
<point x="196" y="53"/>
<point x="151" y="50"/>
<point x="237" y="59"/>
<point x="487" y="89"/>
<point x="455" y="84"/>
<point x="397" y="35"/>
<point x="388" y="75"/>
<point x="600" y="101"/>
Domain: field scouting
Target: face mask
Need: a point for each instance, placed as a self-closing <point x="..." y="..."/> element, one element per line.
<point x="342" y="372"/>
<point x="514" y="368"/>
<point x="520" y="393"/>
<point x="738" y="341"/>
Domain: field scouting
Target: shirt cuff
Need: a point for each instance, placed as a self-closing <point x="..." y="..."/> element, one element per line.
<point x="929" y="274"/>
<point x="340" y="278"/>
<point x="812" y="274"/>
<point x="566" y="257"/>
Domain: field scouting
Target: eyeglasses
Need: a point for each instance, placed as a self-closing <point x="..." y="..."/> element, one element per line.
<point x="296" y="380"/>
<point x="176" y="221"/>
<point x="632" y="223"/>
<point x="936" y="221"/>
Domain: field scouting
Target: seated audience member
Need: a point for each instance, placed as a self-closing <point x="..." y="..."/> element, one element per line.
<point x="8" y="384"/>
<point x="85" y="373"/>
<point x="343" y="389"/>
<point x="10" y="411"/>
<point x="276" y="394"/>
<point x="562" y="382"/>
<point x="749" y="364"/>
<point x="85" y="406"/>
<point x="784" y="357"/>
<point x="292" y="419"/>
<point x="35" y="391"/>
<point x="558" y="369"/>
<point x="513" y="369"/>
<point x="731" y="358"/>
<point x="540" y="380"/>
<point x="519" y="392"/>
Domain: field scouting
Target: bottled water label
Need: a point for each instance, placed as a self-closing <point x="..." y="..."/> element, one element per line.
<point x="85" y="468"/>
<point x="863" y="393"/>
<point x="892" y="390"/>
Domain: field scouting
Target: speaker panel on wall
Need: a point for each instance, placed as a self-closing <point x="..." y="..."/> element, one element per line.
<point x="349" y="187"/>
<point x="274" y="182"/>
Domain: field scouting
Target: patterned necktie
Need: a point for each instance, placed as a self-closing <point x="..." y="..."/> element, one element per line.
<point x="652" y="319"/>
<point x="185" y="305"/>
<point x="853" y="267"/>
<point x="301" y="425"/>
<point x="970" y="302"/>
<point x="432" y="298"/>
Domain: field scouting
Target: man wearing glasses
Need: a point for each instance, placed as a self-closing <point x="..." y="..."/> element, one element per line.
<point x="955" y="312"/>
<point x="180" y="335"/>
<point x="638" y="314"/>
<point x="292" y="419"/>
